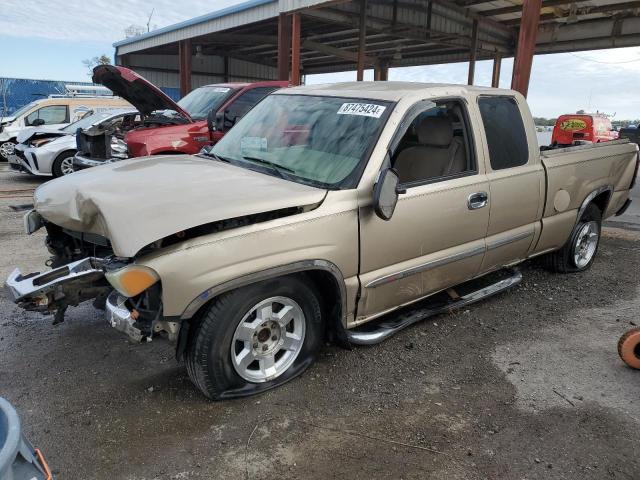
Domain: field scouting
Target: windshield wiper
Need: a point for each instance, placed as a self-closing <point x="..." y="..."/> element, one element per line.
<point x="209" y="153"/>
<point x="277" y="168"/>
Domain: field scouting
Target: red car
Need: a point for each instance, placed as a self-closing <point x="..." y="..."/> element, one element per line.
<point x="594" y="128"/>
<point x="165" y="126"/>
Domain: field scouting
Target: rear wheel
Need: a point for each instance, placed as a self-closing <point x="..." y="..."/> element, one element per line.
<point x="63" y="164"/>
<point x="580" y="250"/>
<point x="255" y="338"/>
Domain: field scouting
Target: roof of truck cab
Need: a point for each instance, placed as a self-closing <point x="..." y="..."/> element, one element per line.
<point x="391" y="91"/>
<point x="248" y="84"/>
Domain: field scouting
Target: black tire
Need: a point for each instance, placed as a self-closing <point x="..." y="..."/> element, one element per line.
<point x="208" y="352"/>
<point x="3" y="157"/>
<point x="56" y="167"/>
<point x="562" y="261"/>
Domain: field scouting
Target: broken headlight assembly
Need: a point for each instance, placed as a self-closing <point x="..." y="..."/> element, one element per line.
<point x="32" y="222"/>
<point x="132" y="280"/>
<point x="119" y="148"/>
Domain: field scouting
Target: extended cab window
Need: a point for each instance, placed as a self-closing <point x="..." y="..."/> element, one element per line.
<point x="246" y="102"/>
<point x="506" y="137"/>
<point x="51" y="115"/>
<point x="434" y="144"/>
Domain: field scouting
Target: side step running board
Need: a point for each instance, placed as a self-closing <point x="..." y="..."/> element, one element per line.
<point x="444" y="302"/>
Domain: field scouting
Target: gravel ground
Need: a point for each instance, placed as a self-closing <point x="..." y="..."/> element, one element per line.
<point x="525" y="385"/>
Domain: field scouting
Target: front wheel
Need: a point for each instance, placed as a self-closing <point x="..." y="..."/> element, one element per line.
<point x="255" y="338"/>
<point x="580" y="250"/>
<point x="7" y="149"/>
<point x="63" y="164"/>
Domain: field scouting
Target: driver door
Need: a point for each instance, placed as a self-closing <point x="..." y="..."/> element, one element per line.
<point x="436" y="236"/>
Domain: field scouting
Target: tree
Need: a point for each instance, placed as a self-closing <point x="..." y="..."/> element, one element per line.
<point x="95" y="61"/>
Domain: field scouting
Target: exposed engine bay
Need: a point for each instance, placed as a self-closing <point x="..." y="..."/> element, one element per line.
<point x="106" y="141"/>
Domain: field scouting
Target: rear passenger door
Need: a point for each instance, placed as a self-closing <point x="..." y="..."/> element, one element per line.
<point x="516" y="179"/>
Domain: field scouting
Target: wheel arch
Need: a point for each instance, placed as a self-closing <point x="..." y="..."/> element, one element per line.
<point x="65" y="152"/>
<point x="324" y="275"/>
<point x="599" y="197"/>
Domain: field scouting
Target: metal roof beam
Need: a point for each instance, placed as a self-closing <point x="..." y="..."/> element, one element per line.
<point x="600" y="9"/>
<point x="413" y="7"/>
<point x="518" y="8"/>
<point x="336" y="52"/>
<point x="260" y="60"/>
<point x="410" y="32"/>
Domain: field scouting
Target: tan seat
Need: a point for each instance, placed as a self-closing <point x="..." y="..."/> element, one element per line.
<point x="439" y="153"/>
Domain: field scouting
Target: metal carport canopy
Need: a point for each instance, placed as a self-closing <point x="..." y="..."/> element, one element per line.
<point x="325" y="36"/>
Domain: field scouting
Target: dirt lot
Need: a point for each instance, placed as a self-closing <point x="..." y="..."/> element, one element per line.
<point x="525" y="385"/>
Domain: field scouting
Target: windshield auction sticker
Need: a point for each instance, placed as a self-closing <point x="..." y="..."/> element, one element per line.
<point x="363" y="109"/>
<point x="247" y="144"/>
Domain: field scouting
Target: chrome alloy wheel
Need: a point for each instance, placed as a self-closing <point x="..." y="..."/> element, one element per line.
<point x="7" y="149"/>
<point x="585" y="244"/>
<point x="268" y="339"/>
<point x="66" y="166"/>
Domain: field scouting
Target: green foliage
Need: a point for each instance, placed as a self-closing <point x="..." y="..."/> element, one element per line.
<point x="90" y="63"/>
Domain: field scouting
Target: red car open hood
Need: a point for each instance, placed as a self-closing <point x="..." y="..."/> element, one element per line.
<point x="136" y="90"/>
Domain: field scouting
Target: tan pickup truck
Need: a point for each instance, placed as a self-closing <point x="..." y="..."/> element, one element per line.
<point x="322" y="215"/>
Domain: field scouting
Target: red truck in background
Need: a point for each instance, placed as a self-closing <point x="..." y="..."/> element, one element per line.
<point x="166" y="126"/>
<point x="593" y="128"/>
<point x="232" y="100"/>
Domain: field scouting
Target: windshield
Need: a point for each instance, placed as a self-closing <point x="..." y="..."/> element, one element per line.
<point x="202" y="100"/>
<point x="87" y="121"/>
<point x="319" y="141"/>
<point x="22" y="110"/>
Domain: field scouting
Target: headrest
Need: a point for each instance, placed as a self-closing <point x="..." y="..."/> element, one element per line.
<point x="435" y="131"/>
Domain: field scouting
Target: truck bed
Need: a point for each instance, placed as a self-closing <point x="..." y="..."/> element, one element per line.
<point x="584" y="169"/>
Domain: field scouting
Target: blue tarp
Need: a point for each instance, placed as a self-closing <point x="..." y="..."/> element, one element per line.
<point x="17" y="92"/>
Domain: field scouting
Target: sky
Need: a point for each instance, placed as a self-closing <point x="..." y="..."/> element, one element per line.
<point x="48" y="39"/>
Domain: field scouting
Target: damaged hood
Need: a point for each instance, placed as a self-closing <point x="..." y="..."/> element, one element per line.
<point x="136" y="90"/>
<point x="34" y="133"/>
<point x="137" y="202"/>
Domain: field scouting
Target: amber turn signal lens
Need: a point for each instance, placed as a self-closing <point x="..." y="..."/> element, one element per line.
<point x="132" y="280"/>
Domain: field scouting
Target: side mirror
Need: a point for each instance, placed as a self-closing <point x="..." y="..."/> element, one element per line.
<point x="211" y="121"/>
<point x="385" y="193"/>
<point x="220" y="116"/>
<point x="37" y="122"/>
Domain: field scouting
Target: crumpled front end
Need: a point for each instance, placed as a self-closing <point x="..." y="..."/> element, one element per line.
<point x="84" y="268"/>
<point x="55" y="290"/>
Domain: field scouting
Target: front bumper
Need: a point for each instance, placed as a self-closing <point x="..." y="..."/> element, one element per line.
<point x="119" y="317"/>
<point x="57" y="288"/>
<point x="35" y="163"/>
<point x="79" y="281"/>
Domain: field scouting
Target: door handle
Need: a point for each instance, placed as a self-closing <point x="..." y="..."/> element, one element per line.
<point x="477" y="200"/>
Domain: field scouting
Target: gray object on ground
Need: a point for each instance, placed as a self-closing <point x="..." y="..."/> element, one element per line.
<point x="18" y="459"/>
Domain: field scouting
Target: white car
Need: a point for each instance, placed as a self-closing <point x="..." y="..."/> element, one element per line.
<point x="48" y="152"/>
<point x="56" y="111"/>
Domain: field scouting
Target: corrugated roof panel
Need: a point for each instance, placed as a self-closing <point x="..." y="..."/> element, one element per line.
<point x="247" y="12"/>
